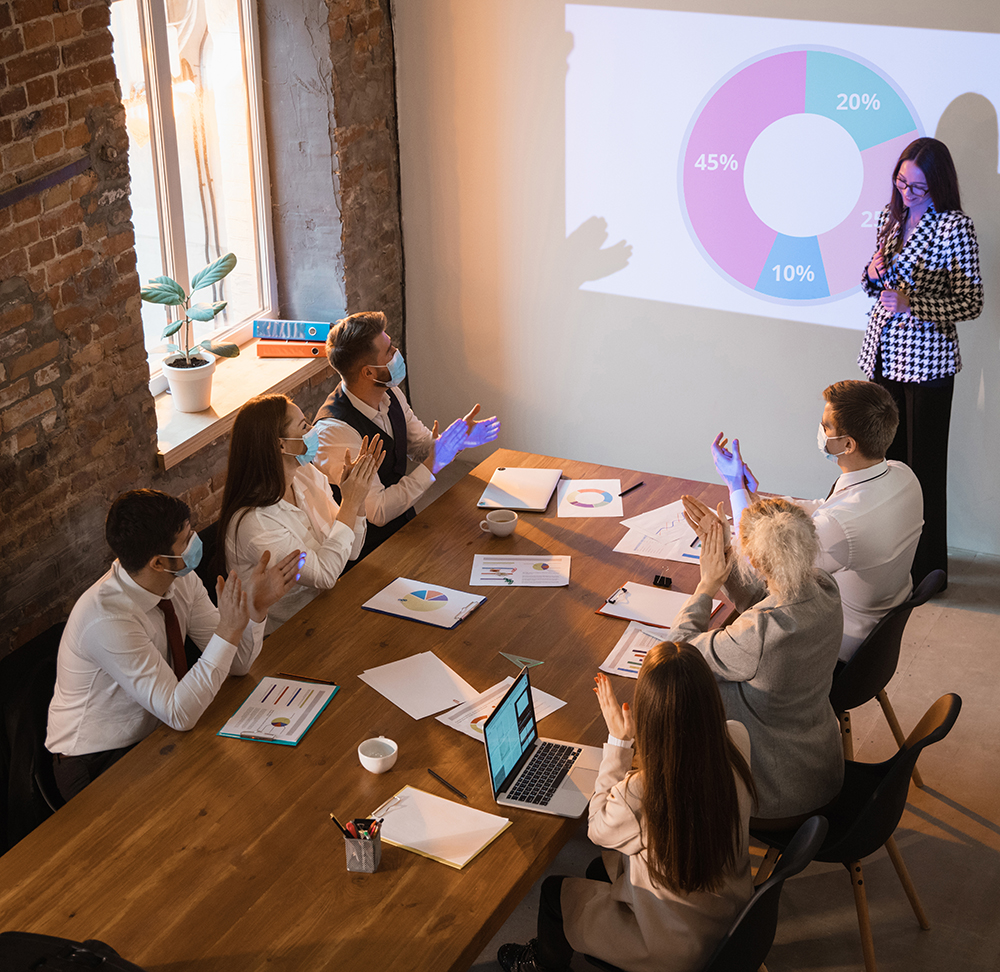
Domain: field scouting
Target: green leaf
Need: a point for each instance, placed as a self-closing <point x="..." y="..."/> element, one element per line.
<point x="222" y="350"/>
<point x="163" y="291"/>
<point x="172" y="328"/>
<point x="213" y="272"/>
<point x="206" y="312"/>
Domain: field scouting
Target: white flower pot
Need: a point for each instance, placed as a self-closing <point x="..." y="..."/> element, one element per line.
<point x="191" y="388"/>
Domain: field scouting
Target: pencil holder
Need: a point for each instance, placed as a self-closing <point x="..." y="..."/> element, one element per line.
<point x="363" y="855"/>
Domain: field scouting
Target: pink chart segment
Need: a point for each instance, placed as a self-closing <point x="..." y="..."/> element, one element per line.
<point x="730" y="235"/>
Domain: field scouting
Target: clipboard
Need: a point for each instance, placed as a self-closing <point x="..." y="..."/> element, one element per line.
<point x="279" y="710"/>
<point x="442" y="830"/>
<point x="433" y="604"/>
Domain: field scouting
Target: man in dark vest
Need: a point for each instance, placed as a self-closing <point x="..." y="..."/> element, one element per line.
<point x="368" y="402"/>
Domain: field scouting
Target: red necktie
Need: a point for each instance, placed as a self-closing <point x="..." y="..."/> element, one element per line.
<point x="174" y="639"/>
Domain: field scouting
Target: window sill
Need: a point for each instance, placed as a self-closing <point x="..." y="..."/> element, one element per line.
<point x="182" y="434"/>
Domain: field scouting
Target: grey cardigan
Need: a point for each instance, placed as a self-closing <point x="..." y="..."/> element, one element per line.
<point x="774" y="665"/>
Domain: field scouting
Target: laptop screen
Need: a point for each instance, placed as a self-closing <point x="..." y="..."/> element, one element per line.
<point x="510" y="732"/>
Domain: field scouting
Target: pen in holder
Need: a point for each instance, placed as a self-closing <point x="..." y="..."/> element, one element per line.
<point x="363" y="851"/>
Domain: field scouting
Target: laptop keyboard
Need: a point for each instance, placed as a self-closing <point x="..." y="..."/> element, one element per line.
<point x="544" y="772"/>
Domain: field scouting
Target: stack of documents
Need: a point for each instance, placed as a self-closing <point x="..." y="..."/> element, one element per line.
<point x="434" y="827"/>
<point x="662" y="533"/>
<point x="420" y="685"/>
<point x="470" y="716"/>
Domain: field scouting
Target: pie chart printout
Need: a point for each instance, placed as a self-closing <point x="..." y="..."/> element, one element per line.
<point x="589" y="499"/>
<point x="785" y="168"/>
<point x="425" y="600"/>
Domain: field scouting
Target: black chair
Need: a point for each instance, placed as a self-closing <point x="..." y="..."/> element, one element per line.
<point x="871" y="667"/>
<point x="866" y="812"/>
<point x="751" y="934"/>
<point x="29" y="792"/>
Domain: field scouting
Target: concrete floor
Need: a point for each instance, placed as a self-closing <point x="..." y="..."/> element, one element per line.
<point x="950" y="832"/>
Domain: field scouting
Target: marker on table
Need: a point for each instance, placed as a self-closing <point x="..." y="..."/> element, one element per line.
<point x="625" y="492"/>
<point x="305" y="678"/>
<point x="453" y="789"/>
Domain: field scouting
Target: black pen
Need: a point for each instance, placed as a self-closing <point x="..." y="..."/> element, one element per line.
<point x="305" y="678"/>
<point x="453" y="789"/>
<point x="625" y="492"/>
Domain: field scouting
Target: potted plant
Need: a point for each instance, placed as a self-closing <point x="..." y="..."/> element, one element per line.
<point x="189" y="371"/>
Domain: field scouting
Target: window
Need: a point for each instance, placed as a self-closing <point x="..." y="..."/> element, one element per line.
<point x="190" y="78"/>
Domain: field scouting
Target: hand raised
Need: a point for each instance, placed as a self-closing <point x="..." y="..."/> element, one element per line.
<point x="730" y="465"/>
<point x="266" y="585"/>
<point x="715" y="565"/>
<point x="449" y="444"/>
<point x="234" y="610"/>
<point x="619" y="721"/>
<point x="699" y="516"/>
<point x="479" y="433"/>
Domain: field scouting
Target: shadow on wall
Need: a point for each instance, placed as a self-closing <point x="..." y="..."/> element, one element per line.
<point x="968" y="127"/>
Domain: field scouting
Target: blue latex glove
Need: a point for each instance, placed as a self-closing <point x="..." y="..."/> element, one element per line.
<point x="449" y="444"/>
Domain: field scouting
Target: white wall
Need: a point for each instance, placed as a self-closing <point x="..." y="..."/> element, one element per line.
<point x="494" y="307"/>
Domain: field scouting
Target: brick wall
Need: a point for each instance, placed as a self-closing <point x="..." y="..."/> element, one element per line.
<point x="77" y="424"/>
<point x="368" y="148"/>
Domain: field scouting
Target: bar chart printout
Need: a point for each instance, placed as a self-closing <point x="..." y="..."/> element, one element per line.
<point x="279" y="710"/>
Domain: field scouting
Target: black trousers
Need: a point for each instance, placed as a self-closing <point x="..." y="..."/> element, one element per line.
<point x="922" y="443"/>
<point x="73" y="773"/>
<point x="554" y="953"/>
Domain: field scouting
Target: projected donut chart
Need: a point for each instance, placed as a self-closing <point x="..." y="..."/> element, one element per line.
<point x="794" y="108"/>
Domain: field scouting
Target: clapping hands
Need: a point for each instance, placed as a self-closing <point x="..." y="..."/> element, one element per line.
<point x="619" y="720"/>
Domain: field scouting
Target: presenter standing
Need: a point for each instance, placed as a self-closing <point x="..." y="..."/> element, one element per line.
<point x="925" y="274"/>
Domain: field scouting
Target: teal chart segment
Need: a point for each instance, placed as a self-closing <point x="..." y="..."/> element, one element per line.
<point x="785" y="167"/>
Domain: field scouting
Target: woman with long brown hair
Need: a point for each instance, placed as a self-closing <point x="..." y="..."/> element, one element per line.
<point x="925" y="274"/>
<point x="676" y="868"/>
<point x="276" y="500"/>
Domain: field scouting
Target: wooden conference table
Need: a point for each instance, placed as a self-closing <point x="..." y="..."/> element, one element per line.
<point x="202" y="853"/>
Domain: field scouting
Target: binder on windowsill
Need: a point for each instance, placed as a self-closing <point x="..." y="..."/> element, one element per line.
<point x="290" y="349"/>
<point x="292" y="330"/>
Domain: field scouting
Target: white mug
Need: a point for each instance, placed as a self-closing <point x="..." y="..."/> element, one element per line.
<point x="378" y="754"/>
<point x="500" y="523"/>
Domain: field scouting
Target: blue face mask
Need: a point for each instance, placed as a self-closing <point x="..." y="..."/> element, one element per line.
<point x="822" y="439"/>
<point x="397" y="371"/>
<point x="191" y="556"/>
<point x="311" y="440"/>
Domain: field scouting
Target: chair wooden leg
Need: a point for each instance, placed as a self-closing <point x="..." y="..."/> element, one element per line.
<point x="897" y="732"/>
<point x="864" y="922"/>
<point x="766" y="866"/>
<point x="846" y="738"/>
<point x="904" y="879"/>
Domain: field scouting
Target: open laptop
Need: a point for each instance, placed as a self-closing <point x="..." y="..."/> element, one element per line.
<point x="519" y="488"/>
<point x="548" y="775"/>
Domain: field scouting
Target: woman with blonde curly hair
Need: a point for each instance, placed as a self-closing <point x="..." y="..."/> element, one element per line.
<point x="775" y="662"/>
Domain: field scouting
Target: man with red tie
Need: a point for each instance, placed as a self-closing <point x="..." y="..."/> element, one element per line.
<point x="121" y="667"/>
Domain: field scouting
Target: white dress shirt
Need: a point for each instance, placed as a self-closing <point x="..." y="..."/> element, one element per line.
<point x="384" y="503"/>
<point x="309" y="524"/>
<point x="114" y="680"/>
<point x="868" y="530"/>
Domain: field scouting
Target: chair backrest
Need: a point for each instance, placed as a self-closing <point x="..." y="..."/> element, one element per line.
<point x="872" y="800"/>
<point x="752" y="933"/>
<point x="27" y="678"/>
<point x="874" y="662"/>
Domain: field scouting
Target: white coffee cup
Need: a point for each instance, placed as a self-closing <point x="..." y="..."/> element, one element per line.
<point x="378" y="754"/>
<point x="500" y="523"/>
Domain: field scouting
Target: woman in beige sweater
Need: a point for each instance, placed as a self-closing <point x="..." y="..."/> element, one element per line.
<point x="676" y="868"/>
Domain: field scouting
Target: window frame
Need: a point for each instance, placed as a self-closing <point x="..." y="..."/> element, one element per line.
<point x="166" y="167"/>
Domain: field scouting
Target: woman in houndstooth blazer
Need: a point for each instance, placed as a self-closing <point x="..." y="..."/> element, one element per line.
<point x="925" y="273"/>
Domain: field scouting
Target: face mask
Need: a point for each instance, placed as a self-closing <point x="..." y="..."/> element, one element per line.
<point x="311" y="439"/>
<point x="191" y="556"/>
<point x="397" y="371"/>
<point x="822" y="439"/>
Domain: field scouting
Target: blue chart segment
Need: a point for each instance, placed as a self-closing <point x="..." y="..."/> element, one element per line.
<point x="749" y="149"/>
